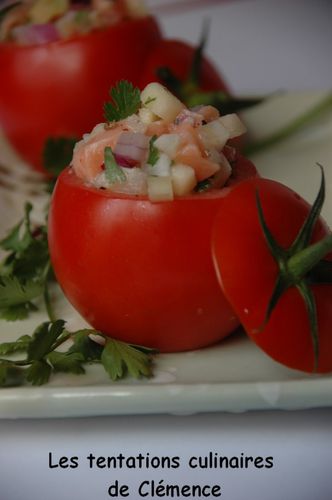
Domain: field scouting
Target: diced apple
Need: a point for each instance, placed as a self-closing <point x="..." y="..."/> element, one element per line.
<point x="214" y="134"/>
<point x="233" y="124"/>
<point x="160" y="188"/>
<point x="136" y="8"/>
<point x="43" y="11"/>
<point x="183" y="179"/>
<point x="221" y="177"/>
<point x="146" y="116"/>
<point x="162" y="167"/>
<point x="161" y="102"/>
<point x="168" y="143"/>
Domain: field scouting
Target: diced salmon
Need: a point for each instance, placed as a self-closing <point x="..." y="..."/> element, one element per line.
<point x="209" y="113"/>
<point x="157" y="128"/>
<point x="88" y="156"/>
<point x="191" y="155"/>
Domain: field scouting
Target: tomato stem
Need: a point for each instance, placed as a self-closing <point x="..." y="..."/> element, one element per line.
<point x="302" y="262"/>
<point x="299" y="264"/>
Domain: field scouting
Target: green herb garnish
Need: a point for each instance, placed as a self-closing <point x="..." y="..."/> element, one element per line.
<point x="58" y="153"/>
<point x="113" y="172"/>
<point x="43" y="357"/>
<point x="126" y="100"/>
<point x="153" y="152"/>
<point x="25" y="271"/>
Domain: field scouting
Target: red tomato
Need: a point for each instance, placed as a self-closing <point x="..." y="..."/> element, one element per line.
<point x="248" y="271"/>
<point x="141" y="272"/>
<point x="58" y="89"/>
<point x="178" y="56"/>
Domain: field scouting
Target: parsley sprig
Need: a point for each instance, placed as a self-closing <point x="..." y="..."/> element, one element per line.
<point x="25" y="276"/>
<point x="153" y="152"/>
<point x="43" y="357"/>
<point x="113" y="172"/>
<point x="125" y="101"/>
<point x="25" y="272"/>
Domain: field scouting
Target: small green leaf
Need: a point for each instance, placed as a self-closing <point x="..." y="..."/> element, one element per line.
<point x="43" y="339"/>
<point x="84" y="345"/>
<point x="68" y="362"/>
<point x="153" y="152"/>
<point x="15" y="241"/>
<point x="119" y="359"/>
<point x="113" y="172"/>
<point x="38" y="372"/>
<point x="20" y="345"/>
<point x="15" y="297"/>
<point x="126" y="100"/>
<point x="58" y="153"/>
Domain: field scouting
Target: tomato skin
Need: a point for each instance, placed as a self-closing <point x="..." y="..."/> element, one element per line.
<point x="247" y="272"/>
<point x="58" y="89"/>
<point x="141" y="272"/>
<point x="177" y="56"/>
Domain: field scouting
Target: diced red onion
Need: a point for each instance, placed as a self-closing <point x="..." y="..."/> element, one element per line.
<point x="125" y="161"/>
<point x="133" y="147"/>
<point x="31" y="34"/>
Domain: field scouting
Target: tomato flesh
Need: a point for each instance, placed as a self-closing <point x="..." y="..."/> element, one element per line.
<point x="247" y="272"/>
<point x="58" y="89"/>
<point x="140" y="272"/>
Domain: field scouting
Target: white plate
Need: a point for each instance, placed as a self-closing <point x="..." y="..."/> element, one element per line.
<point x="233" y="376"/>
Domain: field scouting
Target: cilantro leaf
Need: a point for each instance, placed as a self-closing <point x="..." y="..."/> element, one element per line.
<point x="43" y="357"/>
<point x="44" y="338"/>
<point x="119" y="359"/>
<point x="39" y="372"/>
<point x="113" y="172"/>
<point x="126" y="100"/>
<point x="21" y="344"/>
<point x="16" y="297"/>
<point x="84" y="345"/>
<point x="58" y="153"/>
<point x="25" y="270"/>
<point x="153" y="152"/>
<point x="15" y="241"/>
<point x="68" y="362"/>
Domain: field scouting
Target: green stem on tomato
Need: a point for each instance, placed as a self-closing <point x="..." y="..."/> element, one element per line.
<point x="297" y="264"/>
<point x="302" y="262"/>
<point x="291" y="128"/>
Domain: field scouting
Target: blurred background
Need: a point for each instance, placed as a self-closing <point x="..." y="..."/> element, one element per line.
<point x="259" y="45"/>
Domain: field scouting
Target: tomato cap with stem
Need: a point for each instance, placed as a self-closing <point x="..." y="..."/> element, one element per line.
<point x="190" y="90"/>
<point x="297" y="264"/>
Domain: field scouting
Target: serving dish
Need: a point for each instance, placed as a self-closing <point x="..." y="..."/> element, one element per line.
<point x="233" y="376"/>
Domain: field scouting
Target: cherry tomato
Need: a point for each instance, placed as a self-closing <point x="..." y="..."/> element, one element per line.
<point x="177" y="56"/>
<point x="58" y="89"/>
<point x="248" y="271"/>
<point x="141" y="272"/>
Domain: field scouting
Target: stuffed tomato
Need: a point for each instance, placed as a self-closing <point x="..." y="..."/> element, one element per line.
<point x="56" y="67"/>
<point x="131" y="219"/>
